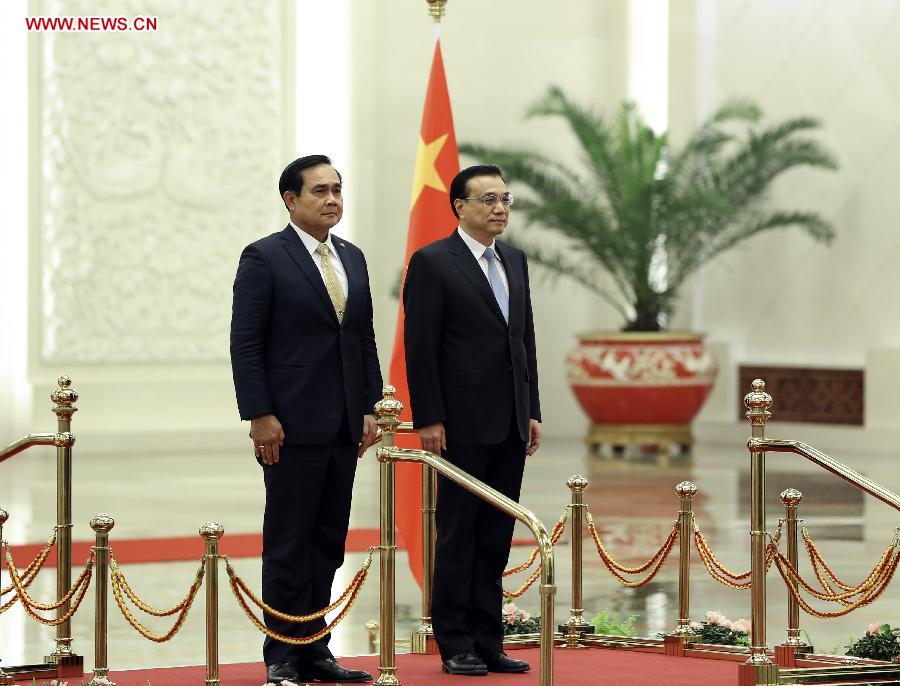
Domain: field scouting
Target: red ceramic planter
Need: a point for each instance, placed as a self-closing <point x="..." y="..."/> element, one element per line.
<point x="641" y="377"/>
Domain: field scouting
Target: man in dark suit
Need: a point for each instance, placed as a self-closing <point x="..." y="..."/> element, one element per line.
<point x="472" y="370"/>
<point x="306" y="375"/>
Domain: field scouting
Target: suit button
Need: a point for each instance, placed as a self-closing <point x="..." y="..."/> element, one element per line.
<point x="509" y="367"/>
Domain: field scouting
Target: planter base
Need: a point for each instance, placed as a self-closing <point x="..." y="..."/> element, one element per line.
<point x="662" y="440"/>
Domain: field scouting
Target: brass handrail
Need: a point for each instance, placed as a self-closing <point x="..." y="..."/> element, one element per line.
<point x="59" y="440"/>
<point x="512" y="508"/>
<point x="828" y="463"/>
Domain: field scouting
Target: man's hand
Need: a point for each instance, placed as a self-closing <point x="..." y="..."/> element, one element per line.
<point x="369" y="434"/>
<point x="433" y="438"/>
<point x="268" y="437"/>
<point x="534" y="437"/>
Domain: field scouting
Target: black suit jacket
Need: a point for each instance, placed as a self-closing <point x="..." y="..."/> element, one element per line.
<point x="465" y="365"/>
<point x="289" y="355"/>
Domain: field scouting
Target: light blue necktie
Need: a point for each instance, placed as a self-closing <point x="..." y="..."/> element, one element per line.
<point x="497" y="283"/>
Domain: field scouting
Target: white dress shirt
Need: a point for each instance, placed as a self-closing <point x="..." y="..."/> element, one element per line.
<point x="311" y="245"/>
<point x="478" y="251"/>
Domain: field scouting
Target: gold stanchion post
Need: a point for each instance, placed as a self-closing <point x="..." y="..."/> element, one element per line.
<point x="423" y="641"/>
<point x="683" y="631"/>
<point x="786" y="653"/>
<point x="5" y="678"/>
<point x="102" y="524"/>
<point x="576" y="625"/>
<point x="388" y="410"/>
<point x="65" y="396"/>
<point x="759" y="670"/>
<point x="211" y="532"/>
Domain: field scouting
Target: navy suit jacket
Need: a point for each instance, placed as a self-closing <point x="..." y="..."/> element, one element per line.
<point x="289" y="355"/>
<point x="465" y="365"/>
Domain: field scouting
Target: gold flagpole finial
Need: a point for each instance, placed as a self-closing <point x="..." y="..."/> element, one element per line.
<point x="437" y="8"/>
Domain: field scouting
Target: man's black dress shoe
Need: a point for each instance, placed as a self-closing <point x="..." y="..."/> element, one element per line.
<point x="466" y="663"/>
<point x="282" y="671"/>
<point x="501" y="662"/>
<point x="330" y="670"/>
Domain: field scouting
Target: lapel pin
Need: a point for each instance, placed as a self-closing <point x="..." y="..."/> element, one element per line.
<point x="342" y="245"/>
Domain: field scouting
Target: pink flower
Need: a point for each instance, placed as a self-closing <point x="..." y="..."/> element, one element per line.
<point x="714" y="617"/>
<point x="510" y="619"/>
<point x="696" y="626"/>
<point x="874" y="628"/>
<point x="525" y="616"/>
<point x="741" y="625"/>
<point x="509" y="609"/>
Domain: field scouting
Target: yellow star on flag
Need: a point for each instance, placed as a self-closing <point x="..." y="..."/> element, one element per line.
<point x="426" y="172"/>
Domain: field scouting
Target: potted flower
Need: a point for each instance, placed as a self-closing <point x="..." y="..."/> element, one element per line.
<point x="637" y="219"/>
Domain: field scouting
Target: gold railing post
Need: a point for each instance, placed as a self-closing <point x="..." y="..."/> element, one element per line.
<point x="759" y="670"/>
<point x="64" y="397"/>
<point x="423" y="641"/>
<point x="576" y="624"/>
<point x="686" y="492"/>
<point x="388" y="410"/>
<point x="102" y="524"/>
<point x="211" y="532"/>
<point x="786" y="652"/>
<point x="5" y="679"/>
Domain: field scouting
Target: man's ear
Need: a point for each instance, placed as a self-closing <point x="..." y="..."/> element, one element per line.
<point x="288" y="197"/>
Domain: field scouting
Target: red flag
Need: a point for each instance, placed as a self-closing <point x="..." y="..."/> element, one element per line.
<point x="430" y="219"/>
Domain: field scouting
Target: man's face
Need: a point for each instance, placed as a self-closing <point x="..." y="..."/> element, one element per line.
<point x="319" y="205"/>
<point x="477" y="219"/>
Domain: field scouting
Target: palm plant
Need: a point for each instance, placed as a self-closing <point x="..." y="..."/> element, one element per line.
<point x="647" y="215"/>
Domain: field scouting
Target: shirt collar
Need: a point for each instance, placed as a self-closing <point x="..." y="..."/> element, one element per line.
<point x="312" y="243"/>
<point x="473" y="245"/>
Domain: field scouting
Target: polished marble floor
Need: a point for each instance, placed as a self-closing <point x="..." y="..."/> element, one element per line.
<point x="633" y="501"/>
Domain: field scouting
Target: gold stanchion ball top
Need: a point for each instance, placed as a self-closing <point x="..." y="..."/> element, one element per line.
<point x="4" y="515"/>
<point x="383" y="454"/>
<point x="757" y="401"/>
<point x="437" y="9"/>
<point x="686" y="489"/>
<point x="791" y="496"/>
<point x="212" y="530"/>
<point x="576" y="482"/>
<point x="64" y="395"/>
<point x="102" y="523"/>
<point x="388" y="407"/>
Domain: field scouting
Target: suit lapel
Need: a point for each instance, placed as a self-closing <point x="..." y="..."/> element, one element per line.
<point x="465" y="261"/>
<point x="304" y="260"/>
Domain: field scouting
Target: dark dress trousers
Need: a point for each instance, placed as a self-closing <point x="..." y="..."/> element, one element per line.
<point x="470" y="369"/>
<point x="291" y="358"/>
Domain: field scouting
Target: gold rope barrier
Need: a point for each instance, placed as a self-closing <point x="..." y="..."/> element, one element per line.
<point x="555" y="535"/>
<point x="822" y="569"/>
<point x="723" y="574"/>
<point x="617" y="570"/>
<point x="350" y="595"/>
<point x="117" y="578"/>
<point x="29" y="575"/>
<point x="77" y="591"/>
<point x="883" y="578"/>
<point x="529" y="582"/>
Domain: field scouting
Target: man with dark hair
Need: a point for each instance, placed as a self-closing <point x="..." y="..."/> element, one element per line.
<point x="306" y="375"/>
<point x="472" y="370"/>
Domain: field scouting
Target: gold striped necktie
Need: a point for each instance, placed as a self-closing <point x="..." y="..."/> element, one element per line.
<point x="332" y="284"/>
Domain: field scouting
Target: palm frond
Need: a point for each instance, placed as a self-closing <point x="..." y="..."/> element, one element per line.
<point x="636" y="203"/>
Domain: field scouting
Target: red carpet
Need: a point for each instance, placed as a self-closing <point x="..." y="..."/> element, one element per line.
<point x="594" y="666"/>
<point x="176" y="549"/>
